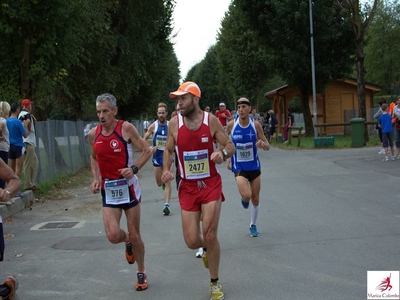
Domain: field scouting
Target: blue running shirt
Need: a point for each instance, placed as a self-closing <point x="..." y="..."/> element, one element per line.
<point x="244" y="139"/>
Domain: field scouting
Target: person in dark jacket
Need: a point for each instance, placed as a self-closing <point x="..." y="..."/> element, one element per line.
<point x="273" y="122"/>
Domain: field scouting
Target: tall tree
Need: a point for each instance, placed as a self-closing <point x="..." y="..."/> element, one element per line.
<point x="41" y="41"/>
<point x="360" y="18"/>
<point x="88" y="45"/>
<point x="143" y="56"/>
<point x="284" y="26"/>
<point x="30" y="33"/>
<point x="381" y="52"/>
<point x="69" y="51"/>
<point x="207" y="75"/>
<point x="243" y="57"/>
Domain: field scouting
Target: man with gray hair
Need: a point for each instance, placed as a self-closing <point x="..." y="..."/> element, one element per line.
<point x="114" y="175"/>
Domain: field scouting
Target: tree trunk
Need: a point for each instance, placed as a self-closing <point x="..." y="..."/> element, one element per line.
<point x="362" y="112"/>
<point x="360" y="22"/>
<point x="308" y="123"/>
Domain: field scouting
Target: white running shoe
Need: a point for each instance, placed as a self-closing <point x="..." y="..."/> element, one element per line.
<point x="199" y="253"/>
<point x="382" y="151"/>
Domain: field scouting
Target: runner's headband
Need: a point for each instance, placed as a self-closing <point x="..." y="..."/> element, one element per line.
<point x="243" y="102"/>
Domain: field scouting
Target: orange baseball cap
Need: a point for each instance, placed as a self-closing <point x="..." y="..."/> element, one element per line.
<point x="185" y="88"/>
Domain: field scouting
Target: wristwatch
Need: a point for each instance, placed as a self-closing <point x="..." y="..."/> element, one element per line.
<point x="134" y="169"/>
<point x="224" y="153"/>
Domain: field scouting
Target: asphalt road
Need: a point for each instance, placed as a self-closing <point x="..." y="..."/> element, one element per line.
<point x="327" y="217"/>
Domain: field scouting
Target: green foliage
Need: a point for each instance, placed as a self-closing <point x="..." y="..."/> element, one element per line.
<point x="207" y="75"/>
<point x="286" y="27"/>
<point x="285" y="24"/>
<point x="296" y="105"/>
<point x="62" y="54"/>
<point x="381" y="51"/>
<point x="265" y="104"/>
<point x="243" y="58"/>
<point x="30" y="33"/>
<point x="55" y="188"/>
<point x="62" y="112"/>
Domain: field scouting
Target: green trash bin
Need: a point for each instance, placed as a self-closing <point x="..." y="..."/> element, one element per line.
<point x="357" y="132"/>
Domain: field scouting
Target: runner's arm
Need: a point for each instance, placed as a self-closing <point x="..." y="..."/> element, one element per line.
<point x="95" y="185"/>
<point x="229" y="116"/>
<point x="139" y="144"/>
<point x="167" y="174"/>
<point x="170" y="146"/>
<point x="262" y="141"/>
<point x="229" y="127"/>
<point x="13" y="182"/>
<point x="149" y="132"/>
<point x="222" y="138"/>
<point x="228" y="132"/>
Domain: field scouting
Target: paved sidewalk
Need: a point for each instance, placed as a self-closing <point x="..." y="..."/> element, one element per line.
<point x="326" y="218"/>
<point x="16" y="204"/>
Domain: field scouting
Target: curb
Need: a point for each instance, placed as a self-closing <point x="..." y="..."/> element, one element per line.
<point x="7" y="209"/>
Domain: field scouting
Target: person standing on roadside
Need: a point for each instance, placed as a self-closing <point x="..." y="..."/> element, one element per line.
<point x="247" y="135"/>
<point x="396" y="116"/>
<point x="4" y="135"/>
<point x="376" y="116"/>
<point x="385" y="122"/>
<point x="10" y="285"/>
<point x="254" y="114"/>
<point x="289" y="123"/>
<point x="114" y="175"/>
<point x="273" y="122"/>
<point x="159" y="130"/>
<point x="200" y="195"/>
<point x="17" y="131"/>
<point x="31" y="163"/>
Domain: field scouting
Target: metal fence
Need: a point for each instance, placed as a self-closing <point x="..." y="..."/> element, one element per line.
<point x="62" y="147"/>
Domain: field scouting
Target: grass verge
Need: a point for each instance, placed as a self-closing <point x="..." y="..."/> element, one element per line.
<point x="56" y="189"/>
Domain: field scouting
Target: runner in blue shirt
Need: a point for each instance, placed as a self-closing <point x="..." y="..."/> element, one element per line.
<point x="247" y="135"/>
<point x="159" y="130"/>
